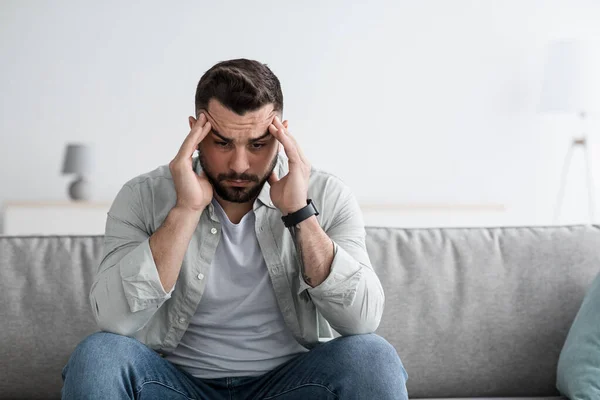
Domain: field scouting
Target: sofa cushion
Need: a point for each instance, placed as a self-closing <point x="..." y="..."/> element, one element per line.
<point x="578" y="372"/>
<point x="44" y="310"/>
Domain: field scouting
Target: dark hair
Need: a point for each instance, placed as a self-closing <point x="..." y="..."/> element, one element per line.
<point x="241" y="85"/>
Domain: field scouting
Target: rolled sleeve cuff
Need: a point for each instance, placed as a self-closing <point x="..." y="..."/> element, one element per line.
<point x="341" y="284"/>
<point x="141" y="281"/>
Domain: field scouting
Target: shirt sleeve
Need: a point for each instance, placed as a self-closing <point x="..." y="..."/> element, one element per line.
<point x="351" y="298"/>
<point x="126" y="291"/>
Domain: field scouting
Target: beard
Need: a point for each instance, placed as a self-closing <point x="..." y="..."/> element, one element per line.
<point x="236" y="194"/>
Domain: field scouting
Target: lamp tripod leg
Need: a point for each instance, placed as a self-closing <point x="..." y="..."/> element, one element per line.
<point x="563" y="181"/>
<point x="589" y="183"/>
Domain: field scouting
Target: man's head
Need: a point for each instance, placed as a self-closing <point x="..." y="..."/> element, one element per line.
<point x="240" y="99"/>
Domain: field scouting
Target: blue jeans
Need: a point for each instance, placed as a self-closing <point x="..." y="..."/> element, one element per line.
<point x="109" y="366"/>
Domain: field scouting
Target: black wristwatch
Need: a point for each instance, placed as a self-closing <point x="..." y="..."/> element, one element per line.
<point x="295" y="218"/>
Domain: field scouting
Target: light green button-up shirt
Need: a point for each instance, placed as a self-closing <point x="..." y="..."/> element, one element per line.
<point x="127" y="296"/>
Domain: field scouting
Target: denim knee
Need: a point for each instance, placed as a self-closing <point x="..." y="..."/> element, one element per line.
<point x="372" y="361"/>
<point x="103" y="350"/>
<point x="100" y="359"/>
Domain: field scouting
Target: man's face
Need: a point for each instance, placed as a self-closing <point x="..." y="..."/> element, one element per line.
<point x="239" y="153"/>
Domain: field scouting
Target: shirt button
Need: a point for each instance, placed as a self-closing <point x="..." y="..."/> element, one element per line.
<point x="200" y="276"/>
<point x="213" y="231"/>
<point x="182" y="320"/>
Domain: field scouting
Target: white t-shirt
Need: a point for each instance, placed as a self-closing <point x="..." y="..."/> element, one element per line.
<point x="238" y="329"/>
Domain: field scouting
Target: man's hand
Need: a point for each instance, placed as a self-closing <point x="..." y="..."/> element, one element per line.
<point x="315" y="248"/>
<point x="194" y="192"/>
<point x="290" y="192"/>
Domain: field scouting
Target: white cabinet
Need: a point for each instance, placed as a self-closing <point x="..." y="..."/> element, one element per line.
<point x="55" y="218"/>
<point x="435" y="215"/>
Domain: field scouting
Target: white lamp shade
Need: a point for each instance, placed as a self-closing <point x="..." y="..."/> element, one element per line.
<point x="77" y="160"/>
<point x="566" y="78"/>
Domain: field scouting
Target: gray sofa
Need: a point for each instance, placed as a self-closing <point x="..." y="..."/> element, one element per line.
<point x="473" y="313"/>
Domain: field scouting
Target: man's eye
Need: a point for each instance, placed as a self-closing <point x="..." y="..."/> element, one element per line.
<point x="257" y="146"/>
<point x="222" y="144"/>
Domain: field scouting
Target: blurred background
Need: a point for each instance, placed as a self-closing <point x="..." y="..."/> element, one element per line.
<point x="432" y="111"/>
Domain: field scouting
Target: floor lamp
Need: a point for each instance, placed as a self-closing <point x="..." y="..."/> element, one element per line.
<point x="564" y="92"/>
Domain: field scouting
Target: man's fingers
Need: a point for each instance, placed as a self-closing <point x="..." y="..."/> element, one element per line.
<point x="273" y="178"/>
<point x="298" y="147"/>
<point x="193" y="139"/>
<point x="277" y="123"/>
<point x="188" y="146"/>
<point x="288" y="145"/>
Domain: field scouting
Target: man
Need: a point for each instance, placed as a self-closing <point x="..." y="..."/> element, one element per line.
<point x="223" y="273"/>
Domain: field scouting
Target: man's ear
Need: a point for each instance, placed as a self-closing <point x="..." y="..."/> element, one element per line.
<point x="192" y="121"/>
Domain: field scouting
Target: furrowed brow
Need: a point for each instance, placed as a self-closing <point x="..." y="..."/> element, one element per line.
<point x="261" y="137"/>
<point x="226" y="139"/>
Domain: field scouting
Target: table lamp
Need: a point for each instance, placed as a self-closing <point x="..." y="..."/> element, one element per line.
<point x="78" y="161"/>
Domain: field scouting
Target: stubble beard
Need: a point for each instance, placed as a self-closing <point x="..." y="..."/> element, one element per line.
<point x="236" y="194"/>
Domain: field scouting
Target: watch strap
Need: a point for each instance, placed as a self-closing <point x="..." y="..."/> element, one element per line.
<point x="304" y="213"/>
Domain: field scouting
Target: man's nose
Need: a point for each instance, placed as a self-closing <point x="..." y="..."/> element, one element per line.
<point x="239" y="161"/>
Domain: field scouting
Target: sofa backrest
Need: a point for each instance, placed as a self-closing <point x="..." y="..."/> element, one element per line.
<point x="482" y="312"/>
<point x="472" y="312"/>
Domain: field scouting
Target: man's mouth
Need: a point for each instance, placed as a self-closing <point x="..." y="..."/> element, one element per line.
<point x="238" y="182"/>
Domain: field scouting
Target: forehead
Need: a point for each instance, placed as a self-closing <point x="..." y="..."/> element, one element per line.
<point x="239" y="127"/>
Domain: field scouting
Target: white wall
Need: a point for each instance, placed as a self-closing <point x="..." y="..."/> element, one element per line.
<point x="408" y="101"/>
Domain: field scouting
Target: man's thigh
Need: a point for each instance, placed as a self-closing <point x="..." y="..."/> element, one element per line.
<point x="350" y="367"/>
<point x="106" y="365"/>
